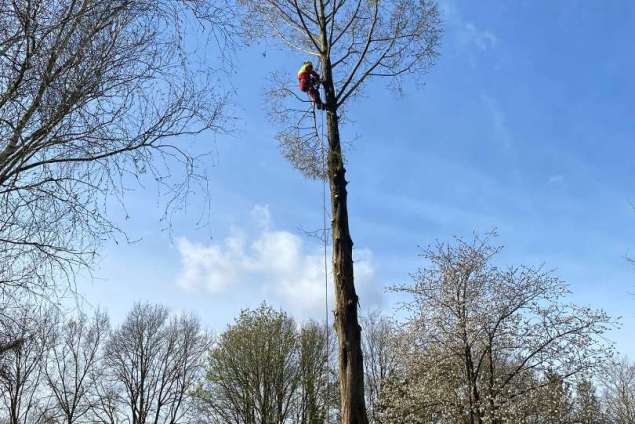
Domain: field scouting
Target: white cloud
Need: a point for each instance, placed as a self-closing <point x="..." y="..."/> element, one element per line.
<point x="272" y="265"/>
<point x="213" y="268"/>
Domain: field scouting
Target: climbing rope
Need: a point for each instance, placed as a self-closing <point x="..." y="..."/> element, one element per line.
<point x="326" y="275"/>
<point x="323" y="156"/>
<point x="325" y="248"/>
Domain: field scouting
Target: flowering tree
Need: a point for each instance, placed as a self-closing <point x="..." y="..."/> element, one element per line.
<point x="493" y="337"/>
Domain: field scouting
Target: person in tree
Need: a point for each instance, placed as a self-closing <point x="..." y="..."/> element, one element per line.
<point x="309" y="81"/>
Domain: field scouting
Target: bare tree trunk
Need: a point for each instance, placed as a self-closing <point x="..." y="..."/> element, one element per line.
<point x="351" y="366"/>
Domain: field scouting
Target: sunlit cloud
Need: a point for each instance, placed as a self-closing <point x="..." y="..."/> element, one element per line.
<point x="277" y="265"/>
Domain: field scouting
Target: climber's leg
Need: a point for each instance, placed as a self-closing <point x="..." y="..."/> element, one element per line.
<point x="314" y="93"/>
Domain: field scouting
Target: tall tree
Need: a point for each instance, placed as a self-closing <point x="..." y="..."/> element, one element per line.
<point x="266" y="369"/>
<point x="354" y="41"/>
<point x="72" y="364"/>
<point x="252" y="372"/>
<point x="22" y="370"/>
<point x="154" y="359"/>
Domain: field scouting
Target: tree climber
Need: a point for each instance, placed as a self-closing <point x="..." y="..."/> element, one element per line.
<point x="309" y="82"/>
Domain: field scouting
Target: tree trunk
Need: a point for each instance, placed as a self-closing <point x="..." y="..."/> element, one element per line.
<point x="351" y="366"/>
<point x="474" y="395"/>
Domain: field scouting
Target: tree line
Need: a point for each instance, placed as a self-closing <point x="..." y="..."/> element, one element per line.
<point x="473" y="343"/>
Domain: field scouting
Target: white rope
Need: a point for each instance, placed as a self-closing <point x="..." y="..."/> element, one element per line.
<point x="320" y="135"/>
<point x="325" y="247"/>
<point x="326" y="275"/>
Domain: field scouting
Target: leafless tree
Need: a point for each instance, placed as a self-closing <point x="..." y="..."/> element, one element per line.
<point x="502" y="332"/>
<point x="381" y="358"/>
<point x="93" y="94"/>
<point x="619" y="391"/>
<point x="154" y="360"/>
<point x="22" y="369"/>
<point x="108" y="404"/>
<point x="354" y="41"/>
<point x="72" y="365"/>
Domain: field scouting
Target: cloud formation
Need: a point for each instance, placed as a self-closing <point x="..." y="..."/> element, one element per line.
<point x="272" y="265"/>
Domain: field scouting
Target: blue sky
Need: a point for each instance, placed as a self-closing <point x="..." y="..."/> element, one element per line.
<point x="524" y="124"/>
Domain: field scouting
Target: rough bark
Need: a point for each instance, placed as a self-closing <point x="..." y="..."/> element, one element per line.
<point x="351" y="365"/>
